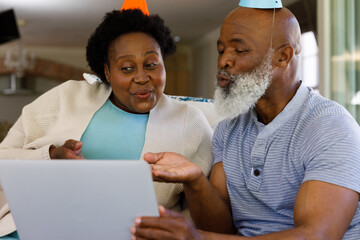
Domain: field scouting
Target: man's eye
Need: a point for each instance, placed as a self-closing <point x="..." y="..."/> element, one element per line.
<point x="240" y="51"/>
<point x="151" y="65"/>
<point x="221" y="52"/>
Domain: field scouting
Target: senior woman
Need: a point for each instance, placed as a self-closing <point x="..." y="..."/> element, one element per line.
<point x="123" y="116"/>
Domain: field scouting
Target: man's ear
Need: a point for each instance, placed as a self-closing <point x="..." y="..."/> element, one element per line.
<point x="107" y="72"/>
<point x="284" y="55"/>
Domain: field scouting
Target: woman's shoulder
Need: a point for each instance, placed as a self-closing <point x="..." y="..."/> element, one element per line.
<point x="69" y="92"/>
<point x="64" y="88"/>
<point x="76" y="86"/>
<point x="81" y="86"/>
<point x="201" y="109"/>
<point x="180" y="107"/>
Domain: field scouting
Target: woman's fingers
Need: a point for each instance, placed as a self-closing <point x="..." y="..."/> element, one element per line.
<point x="73" y="144"/>
<point x="70" y="150"/>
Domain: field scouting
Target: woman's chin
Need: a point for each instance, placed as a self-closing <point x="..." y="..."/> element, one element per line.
<point x="144" y="103"/>
<point x="143" y="107"/>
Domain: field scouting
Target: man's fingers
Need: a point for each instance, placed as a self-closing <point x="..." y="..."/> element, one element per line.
<point x="155" y="222"/>
<point x="150" y="233"/>
<point x="162" y="227"/>
<point x="162" y="211"/>
<point x="133" y="237"/>
<point x="153" y="157"/>
<point x="164" y="167"/>
<point x="168" y="213"/>
<point x="166" y="176"/>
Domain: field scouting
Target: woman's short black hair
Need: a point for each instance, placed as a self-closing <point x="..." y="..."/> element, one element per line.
<point x="117" y="23"/>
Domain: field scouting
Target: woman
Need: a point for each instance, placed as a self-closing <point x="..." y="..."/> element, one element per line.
<point x="123" y="116"/>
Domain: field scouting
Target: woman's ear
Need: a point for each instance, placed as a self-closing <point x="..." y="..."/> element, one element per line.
<point x="284" y="54"/>
<point x="107" y="72"/>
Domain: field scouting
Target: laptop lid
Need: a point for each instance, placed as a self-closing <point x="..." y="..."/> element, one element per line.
<point x="74" y="199"/>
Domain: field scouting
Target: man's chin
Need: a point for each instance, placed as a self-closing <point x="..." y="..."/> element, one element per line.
<point x="228" y="106"/>
<point x="243" y="92"/>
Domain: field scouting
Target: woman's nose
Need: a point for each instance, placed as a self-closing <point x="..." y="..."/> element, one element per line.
<point x="141" y="77"/>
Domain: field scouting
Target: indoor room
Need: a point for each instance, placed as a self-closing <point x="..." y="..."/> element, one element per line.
<point x="187" y="119"/>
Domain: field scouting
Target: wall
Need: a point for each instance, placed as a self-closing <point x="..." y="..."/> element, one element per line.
<point x="205" y="64"/>
<point x="11" y="105"/>
<point x="74" y="56"/>
<point x="179" y="72"/>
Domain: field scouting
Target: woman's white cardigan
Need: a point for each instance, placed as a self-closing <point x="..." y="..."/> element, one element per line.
<point x="65" y="111"/>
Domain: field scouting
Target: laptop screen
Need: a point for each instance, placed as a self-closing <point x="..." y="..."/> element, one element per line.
<point x="75" y="199"/>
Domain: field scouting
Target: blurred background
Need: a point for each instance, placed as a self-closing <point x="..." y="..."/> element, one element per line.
<point x="52" y="35"/>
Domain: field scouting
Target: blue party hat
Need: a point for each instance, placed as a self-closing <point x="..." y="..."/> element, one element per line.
<point x="263" y="4"/>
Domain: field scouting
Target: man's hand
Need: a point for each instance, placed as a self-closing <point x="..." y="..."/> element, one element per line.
<point x="70" y="150"/>
<point x="172" y="167"/>
<point x="170" y="225"/>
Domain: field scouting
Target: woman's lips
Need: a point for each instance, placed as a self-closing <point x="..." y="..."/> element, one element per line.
<point x="143" y="94"/>
<point x="223" y="81"/>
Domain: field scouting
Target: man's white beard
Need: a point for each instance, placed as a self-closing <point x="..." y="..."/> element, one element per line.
<point x="244" y="90"/>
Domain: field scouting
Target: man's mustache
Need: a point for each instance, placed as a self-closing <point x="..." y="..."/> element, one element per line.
<point x="227" y="74"/>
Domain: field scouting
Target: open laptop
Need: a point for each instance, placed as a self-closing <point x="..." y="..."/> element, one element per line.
<point x="74" y="199"/>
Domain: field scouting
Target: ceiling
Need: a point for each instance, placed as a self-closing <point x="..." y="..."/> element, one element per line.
<point x="71" y="22"/>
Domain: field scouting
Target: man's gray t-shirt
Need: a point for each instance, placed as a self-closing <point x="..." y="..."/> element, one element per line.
<point x="311" y="139"/>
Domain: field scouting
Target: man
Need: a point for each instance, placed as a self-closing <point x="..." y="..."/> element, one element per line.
<point x="286" y="159"/>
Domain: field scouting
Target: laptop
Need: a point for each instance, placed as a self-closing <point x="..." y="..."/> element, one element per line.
<point x="76" y="199"/>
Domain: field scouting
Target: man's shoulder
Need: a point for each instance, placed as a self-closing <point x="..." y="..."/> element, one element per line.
<point x="317" y="106"/>
<point x="234" y="124"/>
<point x="325" y="120"/>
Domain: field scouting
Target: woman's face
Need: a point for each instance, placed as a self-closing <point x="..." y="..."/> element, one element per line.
<point x="136" y="72"/>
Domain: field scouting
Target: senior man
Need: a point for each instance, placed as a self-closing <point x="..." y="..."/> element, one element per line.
<point x="286" y="159"/>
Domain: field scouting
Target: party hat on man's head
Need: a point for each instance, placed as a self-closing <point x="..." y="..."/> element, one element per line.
<point x="133" y="4"/>
<point x="263" y="4"/>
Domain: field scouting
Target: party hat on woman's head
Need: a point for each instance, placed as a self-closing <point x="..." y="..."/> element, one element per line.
<point x="133" y="4"/>
<point x="263" y="4"/>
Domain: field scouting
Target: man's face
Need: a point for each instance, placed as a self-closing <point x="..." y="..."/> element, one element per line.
<point x="244" y="63"/>
<point x="243" y="90"/>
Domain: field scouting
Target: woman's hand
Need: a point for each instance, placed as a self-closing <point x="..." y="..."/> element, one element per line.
<point x="172" y="167"/>
<point x="70" y="150"/>
<point x="170" y="225"/>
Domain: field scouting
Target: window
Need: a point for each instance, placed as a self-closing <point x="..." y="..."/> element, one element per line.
<point x="309" y="61"/>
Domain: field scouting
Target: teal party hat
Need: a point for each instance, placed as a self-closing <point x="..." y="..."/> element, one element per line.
<point x="263" y="4"/>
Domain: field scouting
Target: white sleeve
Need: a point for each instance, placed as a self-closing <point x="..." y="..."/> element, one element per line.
<point x="12" y="147"/>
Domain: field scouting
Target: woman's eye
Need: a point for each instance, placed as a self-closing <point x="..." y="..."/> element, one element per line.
<point x="127" y="69"/>
<point x="221" y="52"/>
<point x="151" y="65"/>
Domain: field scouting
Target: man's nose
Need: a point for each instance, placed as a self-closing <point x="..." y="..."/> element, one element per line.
<point x="226" y="61"/>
